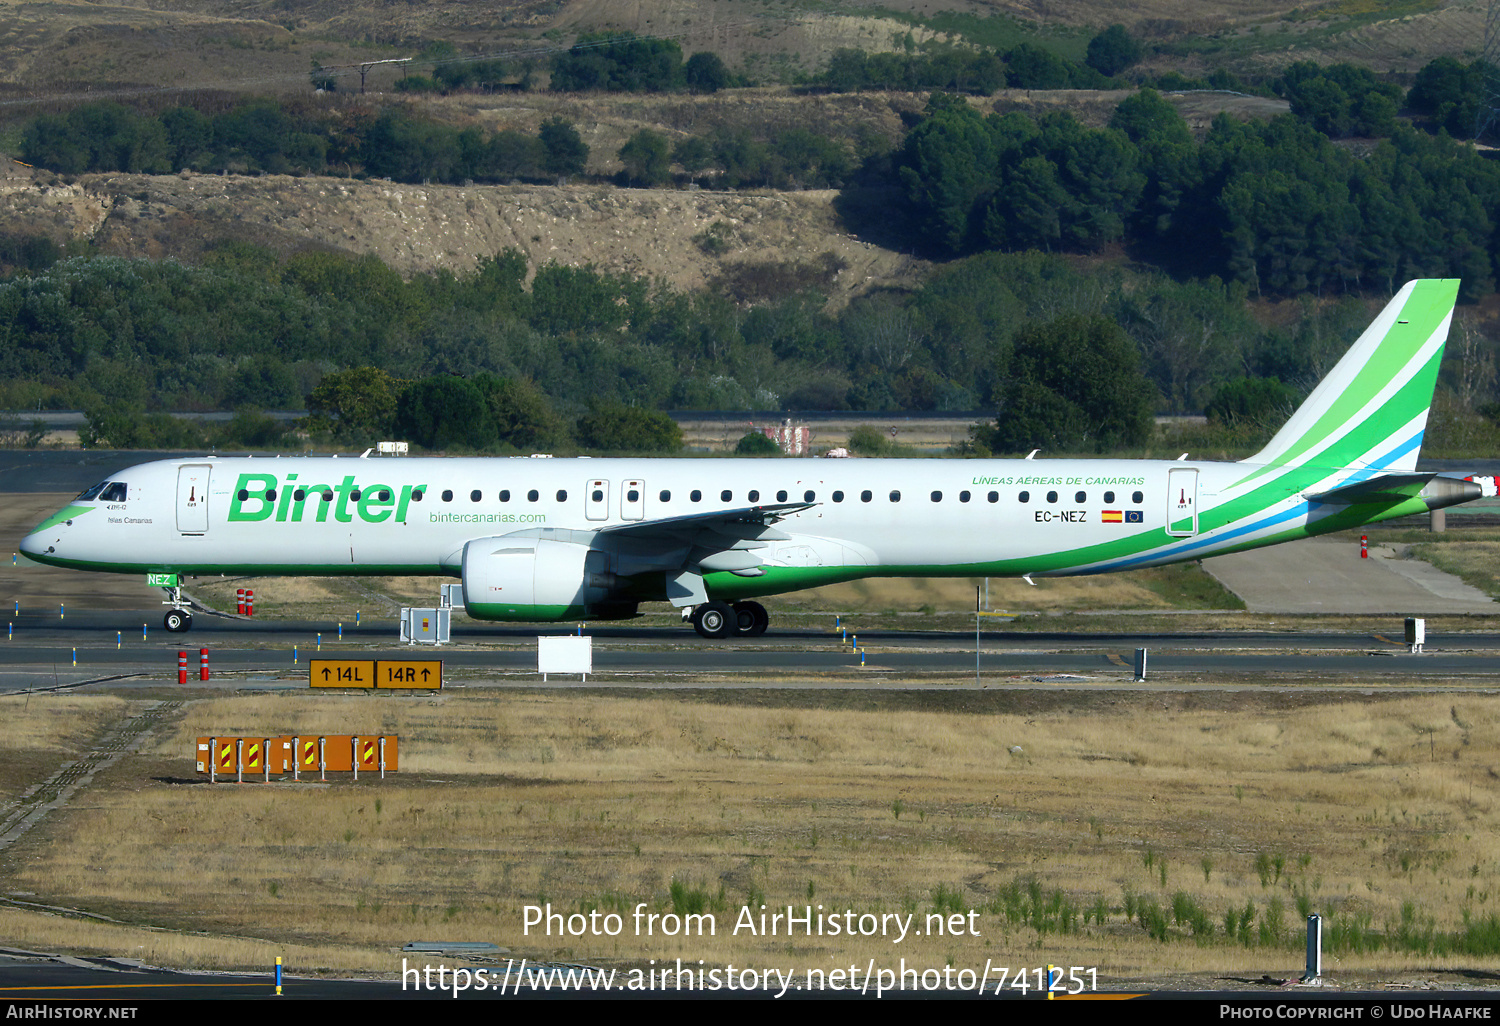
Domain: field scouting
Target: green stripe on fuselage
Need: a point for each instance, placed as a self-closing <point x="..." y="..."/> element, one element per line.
<point x="66" y="513"/>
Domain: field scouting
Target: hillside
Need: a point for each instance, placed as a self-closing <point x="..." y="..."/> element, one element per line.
<point x="651" y="232"/>
<point x="638" y="231"/>
<point x="64" y="47"/>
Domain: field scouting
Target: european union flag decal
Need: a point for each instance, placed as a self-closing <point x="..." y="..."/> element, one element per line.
<point x="1133" y="516"/>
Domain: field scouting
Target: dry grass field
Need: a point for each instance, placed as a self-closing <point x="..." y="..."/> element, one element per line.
<point x="1076" y="827"/>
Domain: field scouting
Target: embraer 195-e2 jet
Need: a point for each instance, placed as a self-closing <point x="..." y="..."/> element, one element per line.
<point x="565" y="539"/>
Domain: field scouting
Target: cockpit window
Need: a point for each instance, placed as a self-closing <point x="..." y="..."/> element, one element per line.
<point x="92" y="493"/>
<point x="115" y="492"/>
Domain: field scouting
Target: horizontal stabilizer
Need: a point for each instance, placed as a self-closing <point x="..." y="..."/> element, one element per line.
<point x="1436" y="491"/>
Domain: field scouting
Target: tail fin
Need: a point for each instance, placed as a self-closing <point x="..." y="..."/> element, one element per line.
<point x="1371" y="410"/>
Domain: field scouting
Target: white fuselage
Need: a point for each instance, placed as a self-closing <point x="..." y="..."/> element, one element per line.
<point x="415" y="515"/>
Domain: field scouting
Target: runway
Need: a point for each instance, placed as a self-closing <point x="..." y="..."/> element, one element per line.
<point x="105" y="647"/>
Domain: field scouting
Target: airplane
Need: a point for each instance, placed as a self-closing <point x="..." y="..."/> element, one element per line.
<point x="549" y="540"/>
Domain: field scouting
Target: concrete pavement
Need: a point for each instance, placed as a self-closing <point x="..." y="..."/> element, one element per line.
<point x="1323" y="575"/>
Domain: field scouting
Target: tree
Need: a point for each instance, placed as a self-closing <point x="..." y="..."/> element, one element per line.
<point x="581" y="299"/>
<point x="443" y="413"/>
<point x="523" y="417"/>
<point x="705" y="72"/>
<point x="753" y="443"/>
<point x="1452" y="94"/>
<point x="946" y="164"/>
<point x="629" y="429"/>
<point x="694" y="154"/>
<point x="566" y="152"/>
<point x="1251" y="402"/>
<point x="263" y="382"/>
<point x="512" y="154"/>
<point x="645" y="159"/>
<point x="1145" y="115"/>
<point x="1112" y="51"/>
<point x="1075" y="383"/>
<point x="1031" y="67"/>
<point x="361" y="400"/>
<point x="619" y="63"/>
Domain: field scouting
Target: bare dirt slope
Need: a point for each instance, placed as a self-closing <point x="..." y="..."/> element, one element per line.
<point x="420" y="228"/>
<point x="651" y="232"/>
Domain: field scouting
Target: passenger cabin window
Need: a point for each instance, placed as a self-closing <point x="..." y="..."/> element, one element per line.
<point x="754" y="495"/>
<point x="562" y="495"/>
<point x="598" y="496"/>
<point x="963" y="496"/>
<point x="115" y="492"/>
<point x="1137" y="498"/>
<point x="937" y="496"/>
<point x="505" y="495"/>
<point x="808" y="496"/>
<point x="1109" y="497"/>
<point x="301" y="495"/>
<point x="838" y="496"/>
<point x="416" y="495"/>
<point x="447" y="495"/>
<point x="1051" y="496"/>
<point x="474" y="496"/>
<point x="695" y="495"/>
<point x="726" y="495"/>
<point x="666" y="496"/>
<point x="1024" y="496"/>
<point x="1080" y="497"/>
<point x="384" y="495"/>
<point x="866" y="495"/>
<point x="781" y="495"/>
<point x="531" y="496"/>
<point x="631" y="496"/>
<point x="895" y="496"/>
<point x="995" y="497"/>
<point x="354" y="495"/>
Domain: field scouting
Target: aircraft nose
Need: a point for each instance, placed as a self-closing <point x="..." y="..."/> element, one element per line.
<point x="44" y="536"/>
<point x="34" y="544"/>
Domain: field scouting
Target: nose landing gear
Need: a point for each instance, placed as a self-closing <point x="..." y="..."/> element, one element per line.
<point x="178" y="619"/>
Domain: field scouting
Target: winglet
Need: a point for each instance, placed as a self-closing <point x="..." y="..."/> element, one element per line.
<point x="1371" y="409"/>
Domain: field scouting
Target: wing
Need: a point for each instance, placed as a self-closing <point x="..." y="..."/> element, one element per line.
<point x="688" y="547"/>
<point x="747" y="521"/>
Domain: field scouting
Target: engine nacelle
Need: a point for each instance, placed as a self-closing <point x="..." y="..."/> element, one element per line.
<point x="536" y="579"/>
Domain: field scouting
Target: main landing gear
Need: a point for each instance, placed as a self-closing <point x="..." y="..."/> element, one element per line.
<point x="716" y="620"/>
<point x="177" y="619"/>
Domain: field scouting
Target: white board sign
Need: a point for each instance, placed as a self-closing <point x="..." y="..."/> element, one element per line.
<point x="569" y="654"/>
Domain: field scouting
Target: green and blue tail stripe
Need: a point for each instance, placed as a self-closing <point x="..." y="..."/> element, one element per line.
<point x="1371" y="410"/>
<point x="1367" y="418"/>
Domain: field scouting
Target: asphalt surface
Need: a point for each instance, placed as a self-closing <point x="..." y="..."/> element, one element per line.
<point x="106" y="647"/>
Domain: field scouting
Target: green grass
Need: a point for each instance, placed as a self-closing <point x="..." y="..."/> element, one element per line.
<point x="1316" y="26"/>
<point x="1477" y="564"/>
<point x="1002" y="33"/>
<point x="1188" y="586"/>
